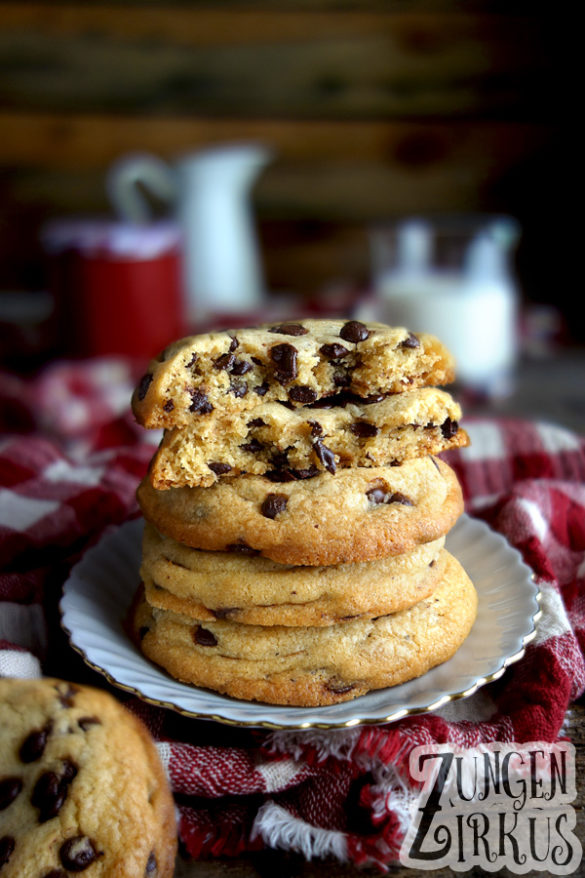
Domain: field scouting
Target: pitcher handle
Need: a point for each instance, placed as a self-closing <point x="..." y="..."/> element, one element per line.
<point x="129" y="176"/>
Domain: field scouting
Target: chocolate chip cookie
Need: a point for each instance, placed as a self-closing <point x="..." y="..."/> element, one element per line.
<point x="357" y="514"/>
<point x="82" y="790"/>
<point x="207" y="376"/>
<point x="257" y="591"/>
<point x="311" y="666"/>
<point x="336" y="432"/>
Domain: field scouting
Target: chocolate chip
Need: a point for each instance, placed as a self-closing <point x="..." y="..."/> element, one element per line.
<point x="333" y="351"/>
<point x="241" y="548"/>
<point x="338" y="687"/>
<point x="279" y="459"/>
<point x="411" y="341"/>
<point x="55" y="873"/>
<point x="69" y="770"/>
<point x="371" y="400"/>
<point x="292" y="475"/>
<point x="449" y="428"/>
<point x="303" y="394"/>
<point x="316" y="428"/>
<point x="280" y="475"/>
<point x="224" y="362"/>
<point x="144" y="384"/>
<point x="233" y="344"/>
<point x="341" y="379"/>
<point x="50" y="791"/>
<point x="354" y="331"/>
<point x="381" y="495"/>
<point x="273" y="505"/>
<point x="308" y="473"/>
<point x="261" y="389"/>
<point x="33" y="746"/>
<point x="289" y="329"/>
<point x="204" y="637"/>
<point x="238" y="388"/>
<point x="169" y="405"/>
<point x="151" y="865"/>
<point x="240" y="367"/>
<point x="253" y="446"/>
<point x="192" y="361"/>
<point x="284" y="357"/>
<point x="7" y="845"/>
<point x="224" y="612"/>
<point x="325" y="455"/>
<point x="435" y="464"/>
<point x="336" y="400"/>
<point x="363" y="429"/>
<point x="78" y="853"/>
<point x="256" y="422"/>
<point x="219" y="468"/>
<point x="67" y="693"/>
<point x="200" y="402"/>
<point x="10" y="787"/>
<point x="48" y="795"/>
<point x="85" y="722"/>
<point x="377" y="495"/>
<point x="257" y="361"/>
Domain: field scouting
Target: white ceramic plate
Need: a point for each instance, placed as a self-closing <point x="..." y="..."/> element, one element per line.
<point x="100" y="588"/>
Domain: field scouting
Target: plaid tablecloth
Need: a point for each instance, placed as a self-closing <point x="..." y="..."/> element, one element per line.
<point x="70" y="460"/>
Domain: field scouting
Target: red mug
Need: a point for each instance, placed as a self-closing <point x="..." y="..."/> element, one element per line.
<point x="116" y="287"/>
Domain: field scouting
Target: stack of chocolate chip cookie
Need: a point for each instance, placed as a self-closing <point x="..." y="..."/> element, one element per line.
<point x="296" y="512"/>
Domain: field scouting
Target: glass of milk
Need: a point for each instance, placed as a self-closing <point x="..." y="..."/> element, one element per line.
<point x="453" y="278"/>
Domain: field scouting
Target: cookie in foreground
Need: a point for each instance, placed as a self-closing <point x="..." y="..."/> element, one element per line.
<point x="203" y="376"/>
<point x="82" y="789"/>
<point x="357" y="514"/>
<point x="310" y="667"/>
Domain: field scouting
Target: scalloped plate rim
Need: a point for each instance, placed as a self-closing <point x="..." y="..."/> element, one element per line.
<point x="134" y="674"/>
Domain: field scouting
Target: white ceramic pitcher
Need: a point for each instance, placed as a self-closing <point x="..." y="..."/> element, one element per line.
<point x="210" y="190"/>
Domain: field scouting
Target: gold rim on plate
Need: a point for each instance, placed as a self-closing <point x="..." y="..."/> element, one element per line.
<point x="126" y="534"/>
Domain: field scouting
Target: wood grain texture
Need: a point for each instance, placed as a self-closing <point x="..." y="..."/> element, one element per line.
<point x="342" y="170"/>
<point x="278" y="63"/>
<point x="90" y="140"/>
<point x="373" y="110"/>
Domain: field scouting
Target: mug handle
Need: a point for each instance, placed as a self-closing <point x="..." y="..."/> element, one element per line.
<point x="127" y="179"/>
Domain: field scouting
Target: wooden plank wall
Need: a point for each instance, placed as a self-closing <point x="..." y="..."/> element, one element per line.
<point x="373" y="109"/>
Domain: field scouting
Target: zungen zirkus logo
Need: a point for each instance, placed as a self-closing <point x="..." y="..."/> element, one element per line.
<point x="495" y="806"/>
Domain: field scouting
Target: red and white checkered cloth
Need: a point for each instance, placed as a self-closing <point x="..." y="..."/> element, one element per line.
<point x="341" y="793"/>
